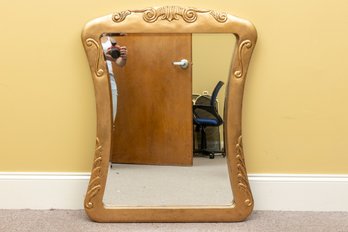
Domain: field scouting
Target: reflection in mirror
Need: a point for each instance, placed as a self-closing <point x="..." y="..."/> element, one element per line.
<point x="113" y="54"/>
<point x="158" y="156"/>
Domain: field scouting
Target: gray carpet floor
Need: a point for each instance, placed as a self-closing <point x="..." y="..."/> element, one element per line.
<point x="265" y="221"/>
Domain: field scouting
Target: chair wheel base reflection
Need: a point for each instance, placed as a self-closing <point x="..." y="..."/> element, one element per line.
<point x="210" y="154"/>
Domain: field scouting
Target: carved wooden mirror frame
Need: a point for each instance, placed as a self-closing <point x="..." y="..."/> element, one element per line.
<point x="170" y="19"/>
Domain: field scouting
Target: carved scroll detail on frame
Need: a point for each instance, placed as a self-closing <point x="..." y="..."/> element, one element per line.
<point x="245" y="44"/>
<point x="98" y="71"/>
<point x="94" y="185"/>
<point x="170" y="13"/>
<point x="243" y="182"/>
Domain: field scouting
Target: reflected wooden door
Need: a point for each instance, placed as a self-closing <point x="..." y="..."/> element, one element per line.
<point x="154" y="114"/>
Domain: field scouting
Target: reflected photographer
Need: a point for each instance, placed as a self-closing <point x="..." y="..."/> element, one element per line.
<point x="117" y="54"/>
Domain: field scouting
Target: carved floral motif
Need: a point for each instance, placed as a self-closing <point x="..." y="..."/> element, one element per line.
<point x="98" y="71"/>
<point x="170" y="13"/>
<point x="120" y="16"/>
<point x="94" y="184"/>
<point x="245" y="44"/>
<point x="243" y="182"/>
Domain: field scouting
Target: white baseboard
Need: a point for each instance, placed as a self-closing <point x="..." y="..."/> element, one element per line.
<point x="43" y="190"/>
<point x="271" y="191"/>
<point x="297" y="192"/>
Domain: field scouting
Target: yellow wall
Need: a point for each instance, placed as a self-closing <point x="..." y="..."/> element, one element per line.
<point x="295" y="118"/>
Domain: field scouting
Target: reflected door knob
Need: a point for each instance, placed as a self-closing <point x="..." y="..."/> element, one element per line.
<point x="182" y="63"/>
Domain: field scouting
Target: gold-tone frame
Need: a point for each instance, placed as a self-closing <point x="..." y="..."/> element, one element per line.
<point x="171" y="19"/>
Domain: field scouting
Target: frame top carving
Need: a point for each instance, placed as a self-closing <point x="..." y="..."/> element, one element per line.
<point x="170" y="13"/>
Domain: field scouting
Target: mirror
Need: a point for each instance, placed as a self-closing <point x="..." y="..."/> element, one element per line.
<point x="157" y="158"/>
<point x="203" y="181"/>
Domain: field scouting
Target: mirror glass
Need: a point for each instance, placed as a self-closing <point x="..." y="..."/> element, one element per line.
<point x="158" y="156"/>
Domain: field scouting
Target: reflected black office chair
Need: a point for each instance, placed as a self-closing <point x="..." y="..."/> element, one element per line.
<point x="206" y="115"/>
